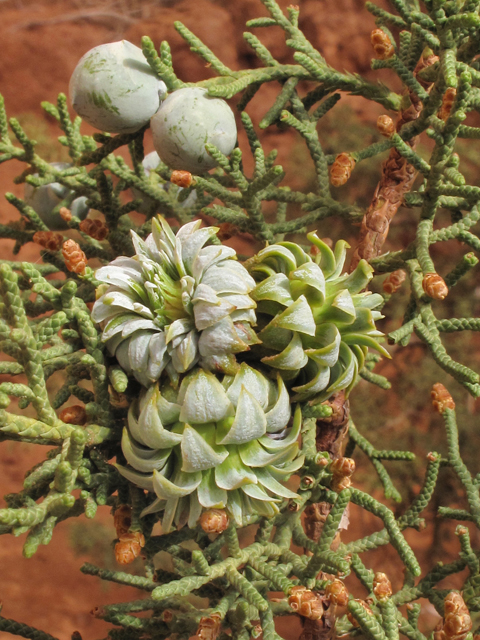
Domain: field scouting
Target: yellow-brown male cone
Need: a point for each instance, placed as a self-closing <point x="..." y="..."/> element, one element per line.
<point x="434" y="286"/>
<point x="306" y="602"/>
<point x="382" y="45"/>
<point x="394" y="281"/>
<point x="456" y="623"/>
<point x="341" y="169"/>
<point x="337" y="593"/>
<point x="441" y="398"/>
<point x="382" y="587"/>
<point x="386" y="126"/>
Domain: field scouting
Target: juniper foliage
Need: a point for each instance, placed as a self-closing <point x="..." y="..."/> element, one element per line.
<point x="45" y="327"/>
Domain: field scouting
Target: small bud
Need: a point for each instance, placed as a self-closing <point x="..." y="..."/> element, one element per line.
<point x="457" y="622"/>
<point x="208" y="628"/>
<point x="65" y="213"/>
<point x="351" y="617"/>
<point x="96" y="229"/>
<point x="75" y="259"/>
<point x="454" y="604"/>
<point x="393" y="281"/>
<point x="122" y="519"/>
<point x="461" y="531"/>
<point x="386" y="126"/>
<point x="73" y="415"/>
<point x="382" y="587"/>
<point x="382" y="45"/>
<point x="181" y="178"/>
<point x="341" y="470"/>
<point x="447" y="103"/>
<point x="432" y="457"/>
<point x="337" y="593"/>
<point x="257" y="631"/>
<point x="341" y="169"/>
<point x="293" y="505"/>
<point x="305" y="602"/>
<point x="307" y="481"/>
<point x="441" y="398"/>
<point x="434" y="286"/>
<point x="129" y="547"/>
<point x="49" y="240"/>
<point x="421" y="525"/>
<point x="457" y="626"/>
<point x="214" y="521"/>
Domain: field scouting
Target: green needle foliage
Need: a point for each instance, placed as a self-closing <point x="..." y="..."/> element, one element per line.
<point x="46" y="327"/>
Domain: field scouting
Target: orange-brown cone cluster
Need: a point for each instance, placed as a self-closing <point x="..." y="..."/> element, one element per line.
<point x="441" y="398"/>
<point x="456" y="623"/>
<point x="342" y="470"/>
<point x="49" y="240"/>
<point x="394" y="281"/>
<point x="341" y="169"/>
<point x="129" y="544"/>
<point x="75" y="259"/>
<point x="214" y="520"/>
<point x="434" y="286"/>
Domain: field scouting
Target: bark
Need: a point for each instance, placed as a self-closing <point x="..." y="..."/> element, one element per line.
<point x="396" y="180"/>
<point x="330" y="435"/>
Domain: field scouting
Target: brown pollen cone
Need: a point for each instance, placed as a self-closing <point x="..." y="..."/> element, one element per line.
<point x="382" y="587"/>
<point x="434" y="286"/>
<point x="382" y="45"/>
<point x="341" y="169"/>
<point x="181" y="178"/>
<point x="441" y="398"/>
<point x="342" y="470"/>
<point x="208" y="628"/>
<point x="447" y="103"/>
<point x="306" y="603"/>
<point x="49" y="240"/>
<point x="66" y="214"/>
<point x="337" y="593"/>
<point x="386" y="126"/>
<point x="75" y="259"/>
<point x="129" y="547"/>
<point x="96" y="229"/>
<point x="394" y="281"/>
<point x="214" y="521"/>
<point x="456" y="623"/>
<point x="73" y="415"/>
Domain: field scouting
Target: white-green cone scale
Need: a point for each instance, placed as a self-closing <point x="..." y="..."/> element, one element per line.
<point x="315" y="324"/>
<point x="213" y="444"/>
<point x="175" y="304"/>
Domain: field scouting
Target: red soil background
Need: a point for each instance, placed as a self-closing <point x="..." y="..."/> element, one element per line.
<point x="41" y="42"/>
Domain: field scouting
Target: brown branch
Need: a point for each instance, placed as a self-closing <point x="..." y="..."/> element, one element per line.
<point x="331" y="432"/>
<point x="397" y="179"/>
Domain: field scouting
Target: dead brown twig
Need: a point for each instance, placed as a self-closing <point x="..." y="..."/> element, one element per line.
<point x="396" y="180"/>
<point x="330" y="435"/>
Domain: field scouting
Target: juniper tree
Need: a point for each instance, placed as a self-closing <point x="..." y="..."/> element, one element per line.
<point x="275" y="344"/>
